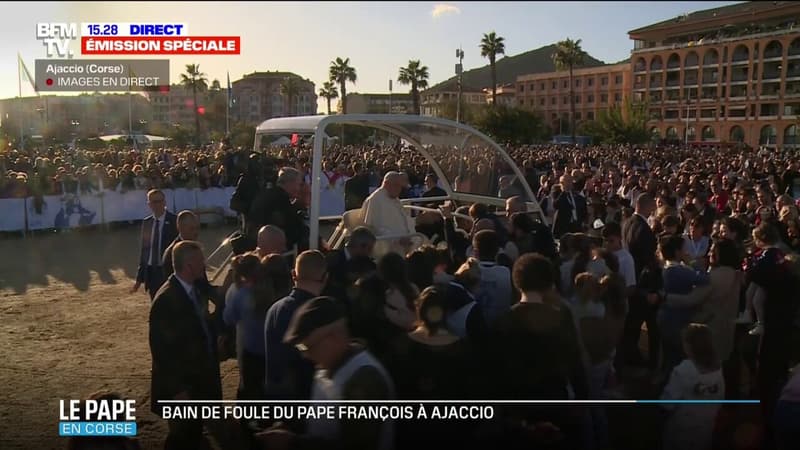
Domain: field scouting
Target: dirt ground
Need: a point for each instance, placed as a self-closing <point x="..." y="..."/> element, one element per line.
<point x="69" y="327"/>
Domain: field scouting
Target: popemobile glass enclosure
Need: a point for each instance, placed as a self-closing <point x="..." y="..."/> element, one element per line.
<point x="470" y="166"/>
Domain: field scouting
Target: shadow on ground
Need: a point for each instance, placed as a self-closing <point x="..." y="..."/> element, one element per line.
<point x="73" y="256"/>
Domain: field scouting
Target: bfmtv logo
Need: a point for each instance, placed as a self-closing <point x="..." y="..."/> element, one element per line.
<point x="56" y="36"/>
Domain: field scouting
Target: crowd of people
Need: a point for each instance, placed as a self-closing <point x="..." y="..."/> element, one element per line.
<point x="698" y="246"/>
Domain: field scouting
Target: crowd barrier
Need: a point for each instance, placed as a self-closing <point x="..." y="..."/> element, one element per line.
<point x="98" y="208"/>
<point x="73" y="211"/>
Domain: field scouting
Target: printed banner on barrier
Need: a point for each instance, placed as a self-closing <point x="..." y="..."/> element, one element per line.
<point x="12" y="214"/>
<point x="63" y="211"/>
<point x="184" y="199"/>
<point x="129" y="206"/>
<point x="216" y="198"/>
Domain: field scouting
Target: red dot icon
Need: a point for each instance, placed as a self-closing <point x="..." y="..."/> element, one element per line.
<point x="49" y="81"/>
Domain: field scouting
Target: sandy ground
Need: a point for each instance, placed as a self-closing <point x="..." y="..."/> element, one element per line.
<point x="69" y="327"/>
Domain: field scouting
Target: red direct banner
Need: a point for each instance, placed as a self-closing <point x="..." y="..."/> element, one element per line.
<point x="160" y="45"/>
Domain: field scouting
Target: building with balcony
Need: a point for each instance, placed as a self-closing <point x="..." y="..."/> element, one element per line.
<point x="434" y="101"/>
<point x="258" y="97"/>
<point x="506" y="94"/>
<point x="729" y="74"/>
<point x="595" y="89"/>
<point x="378" y="104"/>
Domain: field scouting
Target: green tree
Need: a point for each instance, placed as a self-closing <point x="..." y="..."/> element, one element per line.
<point x="417" y="76"/>
<point x="341" y="72"/>
<point x="567" y="56"/>
<point x="511" y="124"/>
<point x="289" y="89"/>
<point x="196" y="81"/>
<point x="620" y="124"/>
<point x="491" y="46"/>
<point x="328" y="92"/>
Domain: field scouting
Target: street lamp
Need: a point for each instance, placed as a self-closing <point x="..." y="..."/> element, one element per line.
<point x="459" y="72"/>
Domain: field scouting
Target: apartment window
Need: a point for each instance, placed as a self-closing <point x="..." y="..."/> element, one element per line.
<point x="590" y="115"/>
<point x="566" y="100"/>
<point x="617" y="97"/>
<point x="532" y="102"/>
<point x="530" y="87"/>
<point x="590" y="98"/>
<point x="590" y="82"/>
<point x="555" y="84"/>
<point x="541" y="86"/>
<point x="577" y="115"/>
<point x="618" y="79"/>
<point x="541" y="101"/>
<point x="604" y="81"/>
<point x="577" y="99"/>
<point x="522" y="88"/>
<point x="552" y="100"/>
<point x="565" y="84"/>
<point x="603" y="98"/>
<point x="578" y="83"/>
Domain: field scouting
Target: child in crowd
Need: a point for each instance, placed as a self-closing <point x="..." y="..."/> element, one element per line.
<point x="698" y="377"/>
<point x="678" y="279"/>
<point x="586" y="299"/>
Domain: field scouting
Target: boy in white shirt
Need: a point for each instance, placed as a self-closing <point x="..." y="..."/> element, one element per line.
<point x="612" y="240"/>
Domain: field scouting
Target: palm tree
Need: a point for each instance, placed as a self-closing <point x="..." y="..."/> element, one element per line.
<point x="491" y="46"/>
<point x="569" y="55"/>
<point x="329" y="92"/>
<point x="417" y="76"/>
<point x="341" y="72"/>
<point x="289" y="90"/>
<point x="196" y="81"/>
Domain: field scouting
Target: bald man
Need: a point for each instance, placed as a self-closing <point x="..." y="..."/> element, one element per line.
<point x="288" y="375"/>
<point x="382" y="210"/>
<point x="271" y="239"/>
<point x="188" y="230"/>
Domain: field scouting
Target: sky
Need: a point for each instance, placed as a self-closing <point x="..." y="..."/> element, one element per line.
<point x="378" y="37"/>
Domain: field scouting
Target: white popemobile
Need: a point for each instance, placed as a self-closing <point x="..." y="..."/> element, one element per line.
<point x="467" y="162"/>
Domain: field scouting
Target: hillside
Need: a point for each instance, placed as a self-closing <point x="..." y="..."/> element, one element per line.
<point x="509" y="67"/>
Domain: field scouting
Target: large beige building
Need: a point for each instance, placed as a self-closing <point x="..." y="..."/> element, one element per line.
<point x="258" y="97"/>
<point x="729" y="74"/>
<point x="595" y="89"/>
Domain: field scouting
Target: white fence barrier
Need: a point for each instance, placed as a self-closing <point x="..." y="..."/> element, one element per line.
<point x="72" y="211"/>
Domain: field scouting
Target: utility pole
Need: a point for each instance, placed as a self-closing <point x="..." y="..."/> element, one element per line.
<point x="390" y="95"/>
<point x="459" y="72"/>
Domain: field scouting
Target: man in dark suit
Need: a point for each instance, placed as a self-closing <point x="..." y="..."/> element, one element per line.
<point x="432" y="189"/>
<point x="570" y="209"/>
<point x="356" y="189"/>
<point x="188" y="230"/>
<point x="183" y="346"/>
<point x="641" y="242"/>
<point x="158" y="232"/>
<point x="274" y="207"/>
<point x="347" y="265"/>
